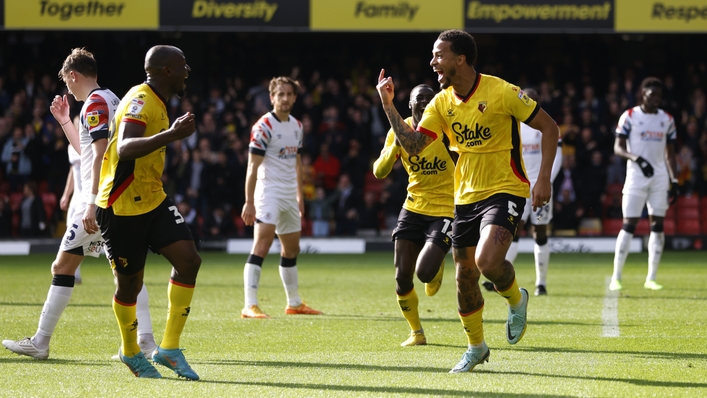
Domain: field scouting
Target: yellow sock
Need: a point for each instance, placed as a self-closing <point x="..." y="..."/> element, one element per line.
<point x="179" y="306"/>
<point x="126" y="316"/>
<point x="408" y="306"/>
<point x="512" y="294"/>
<point x="473" y="326"/>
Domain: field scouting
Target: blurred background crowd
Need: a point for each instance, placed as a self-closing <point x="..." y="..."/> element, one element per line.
<point x="585" y="82"/>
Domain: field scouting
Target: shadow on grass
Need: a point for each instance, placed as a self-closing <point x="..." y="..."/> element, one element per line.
<point x="428" y="392"/>
<point x="674" y="356"/>
<point x="16" y="359"/>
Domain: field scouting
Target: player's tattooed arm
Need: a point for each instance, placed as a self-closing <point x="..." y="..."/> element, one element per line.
<point x="413" y="141"/>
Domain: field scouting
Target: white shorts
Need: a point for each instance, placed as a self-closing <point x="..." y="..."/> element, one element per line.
<point x="77" y="239"/>
<point x="654" y="194"/>
<point x="284" y="213"/>
<point x="541" y="216"/>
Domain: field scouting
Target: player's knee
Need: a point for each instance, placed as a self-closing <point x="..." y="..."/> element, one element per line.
<point x="657" y="226"/>
<point x="630" y="228"/>
<point x="403" y="282"/>
<point x="425" y="274"/>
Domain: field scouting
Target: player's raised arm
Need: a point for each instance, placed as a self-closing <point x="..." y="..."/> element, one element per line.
<point x="412" y="141"/>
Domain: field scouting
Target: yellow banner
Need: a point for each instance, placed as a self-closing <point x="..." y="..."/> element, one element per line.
<point x="81" y="14"/>
<point x="661" y="16"/>
<point x="383" y="15"/>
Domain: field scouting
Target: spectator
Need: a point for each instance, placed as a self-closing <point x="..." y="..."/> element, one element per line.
<point x="218" y="224"/>
<point x="567" y="211"/>
<point x="5" y="219"/>
<point x="369" y="213"/>
<point x="321" y="212"/>
<point x="18" y="165"/>
<point x="346" y="210"/>
<point x="32" y="216"/>
<point x="327" y="168"/>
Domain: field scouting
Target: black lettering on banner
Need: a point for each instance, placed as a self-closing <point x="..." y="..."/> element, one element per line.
<point x="394" y="10"/>
<point x="539" y="15"/>
<point x="234" y="15"/>
<point x="686" y="13"/>
<point x="93" y="8"/>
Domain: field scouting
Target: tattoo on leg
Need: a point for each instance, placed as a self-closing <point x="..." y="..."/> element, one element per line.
<point x="501" y="236"/>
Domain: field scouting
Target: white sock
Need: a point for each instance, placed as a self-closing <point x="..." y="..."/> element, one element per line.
<point x="542" y="261"/>
<point x="656" y="240"/>
<point x="623" y="244"/>
<point x="58" y="299"/>
<point x="144" y="322"/>
<point x="512" y="252"/>
<point x="251" y="280"/>
<point x="289" y="280"/>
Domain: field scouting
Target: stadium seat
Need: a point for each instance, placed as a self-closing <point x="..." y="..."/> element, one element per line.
<point x="15" y="201"/>
<point x="614" y="188"/>
<point x="612" y="226"/>
<point x="669" y="226"/>
<point x="643" y="228"/>
<point x="49" y="200"/>
<point x="590" y="227"/>
<point x="43" y="187"/>
<point x="692" y="201"/>
<point x="689" y="226"/>
<point x="671" y="213"/>
<point x="688" y="212"/>
<point x="372" y="184"/>
<point x="4" y="187"/>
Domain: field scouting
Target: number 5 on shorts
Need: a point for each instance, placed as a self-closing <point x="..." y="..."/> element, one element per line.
<point x="178" y="219"/>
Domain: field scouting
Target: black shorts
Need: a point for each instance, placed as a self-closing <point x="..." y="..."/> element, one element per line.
<point x="502" y="209"/>
<point x="419" y="229"/>
<point x="128" y="238"/>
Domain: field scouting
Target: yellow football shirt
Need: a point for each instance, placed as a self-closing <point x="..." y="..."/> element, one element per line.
<point x="430" y="175"/>
<point x="134" y="187"/>
<point x="484" y="128"/>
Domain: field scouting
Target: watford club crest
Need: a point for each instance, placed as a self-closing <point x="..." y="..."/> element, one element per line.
<point x="482" y="106"/>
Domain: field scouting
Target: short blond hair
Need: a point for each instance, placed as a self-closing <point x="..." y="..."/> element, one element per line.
<point x="280" y="80"/>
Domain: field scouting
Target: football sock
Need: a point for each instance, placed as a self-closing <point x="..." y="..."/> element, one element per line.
<point x="473" y="326"/>
<point x="288" y="274"/>
<point x="512" y="252"/>
<point x="512" y="295"/>
<point x="542" y="261"/>
<point x="408" y="306"/>
<point x="623" y="244"/>
<point x="251" y="279"/>
<point x="58" y="299"/>
<point x="77" y="273"/>
<point x="127" y="322"/>
<point x="144" y="322"/>
<point x="656" y="241"/>
<point x="180" y="296"/>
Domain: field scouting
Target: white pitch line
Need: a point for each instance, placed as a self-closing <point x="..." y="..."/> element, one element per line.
<point x="610" y="312"/>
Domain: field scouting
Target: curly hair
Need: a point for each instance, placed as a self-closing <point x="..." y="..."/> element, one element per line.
<point x="462" y="43"/>
<point x="80" y="60"/>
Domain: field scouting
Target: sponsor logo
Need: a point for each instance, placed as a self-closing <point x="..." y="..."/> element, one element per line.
<point x="531" y="149"/>
<point x="258" y="9"/>
<point x="95" y="247"/>
<point x="470" y="137"/>
<point x="482" y="106"/>
<point x="450" y="112"/>
<point x="92" y="118"/>
<point x="427" y="167"/>
<point x="186" y="311"/>
<point x="135" y="106"/>
<point x="501" y="12"/>
<point x="134" y="325"/>
<point x="401" y="10"/>
<point x="288" y="152"/>
<point x="80" y="9"/>
<point x="524" y="97"/>
<point x="652" y="135"/>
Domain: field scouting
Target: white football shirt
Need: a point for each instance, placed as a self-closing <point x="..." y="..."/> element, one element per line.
<point x="532" y="153"/>
<point x="647" y="135"/>
<point x="279" y="142"/>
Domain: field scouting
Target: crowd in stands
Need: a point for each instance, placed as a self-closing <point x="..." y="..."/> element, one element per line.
<point x="344" y="128"/>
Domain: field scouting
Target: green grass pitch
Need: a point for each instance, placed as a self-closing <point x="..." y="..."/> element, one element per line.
<point x="354" y="350"/>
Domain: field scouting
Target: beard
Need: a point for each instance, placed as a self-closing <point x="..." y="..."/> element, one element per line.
<point x="447" y="79"/>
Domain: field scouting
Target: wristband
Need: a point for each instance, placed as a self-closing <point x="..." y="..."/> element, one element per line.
<point x="65" y="123"/>
<point x="91" y="199"/>
<point x="674" y="180"/>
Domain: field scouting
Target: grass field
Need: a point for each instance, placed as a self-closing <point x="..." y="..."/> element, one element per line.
<point x="659" y="348"/>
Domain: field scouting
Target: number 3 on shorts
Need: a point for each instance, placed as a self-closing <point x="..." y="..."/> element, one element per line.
<point x="512" y="209"/>
<point x="178" y="219"/>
